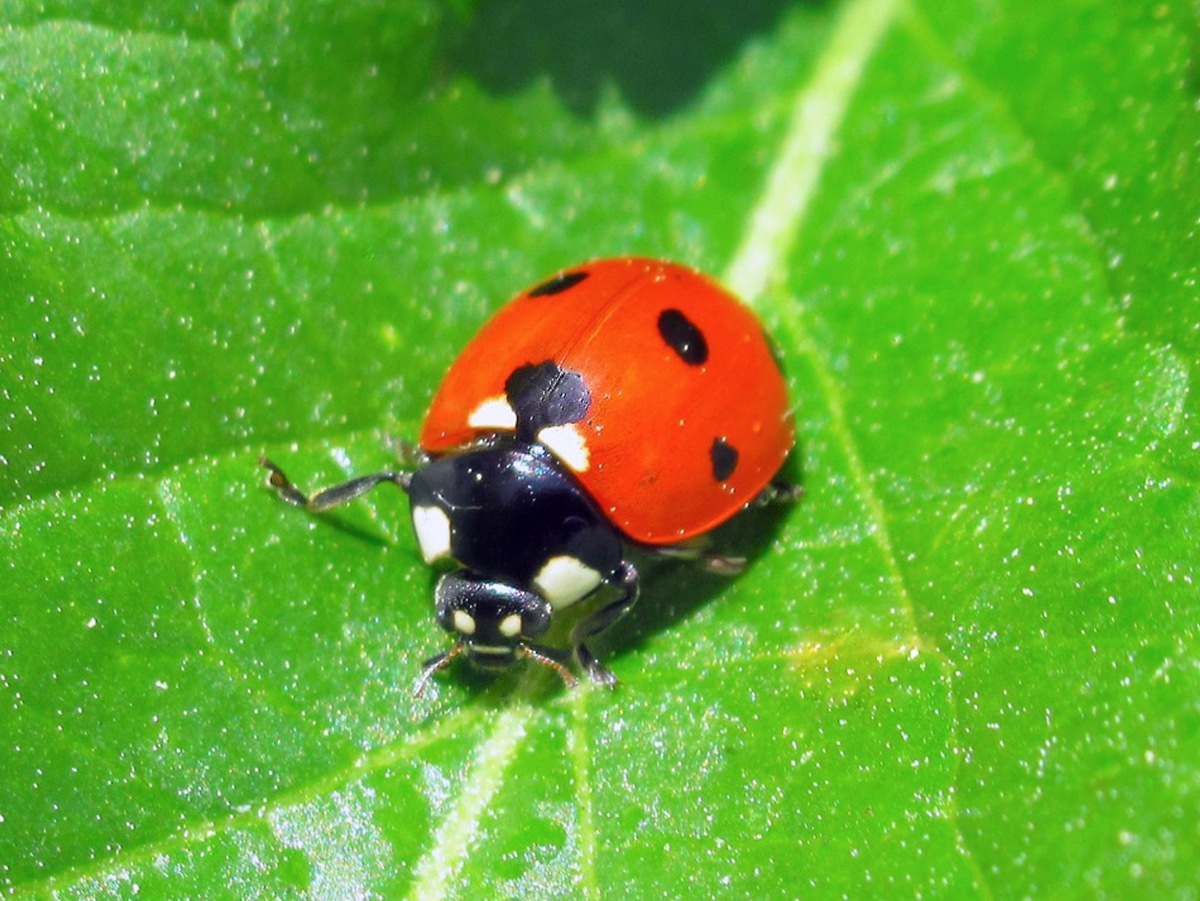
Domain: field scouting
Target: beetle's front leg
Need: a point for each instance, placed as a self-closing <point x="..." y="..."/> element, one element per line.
<point x="333" y="496"/>
<point x="597" y="622"/>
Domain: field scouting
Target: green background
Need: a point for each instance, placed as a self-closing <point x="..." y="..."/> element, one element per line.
<point x="965" y="665"/>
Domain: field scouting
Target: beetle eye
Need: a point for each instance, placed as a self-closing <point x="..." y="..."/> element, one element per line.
<point x="535" y="621"/>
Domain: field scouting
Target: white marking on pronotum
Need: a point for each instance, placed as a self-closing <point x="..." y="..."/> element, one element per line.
<point x="510" y="626"/>
<point x="564" y="580"/>
<point x="432" y="526"/>
<point x="817" y="114"/>
<point x="464" y="623"/>
<point x="567" y="443"/>
<point x="493" y="413"/>
<point x="440" y="866"/>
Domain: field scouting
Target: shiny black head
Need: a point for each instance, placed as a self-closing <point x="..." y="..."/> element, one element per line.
<point x="491" y="619"/>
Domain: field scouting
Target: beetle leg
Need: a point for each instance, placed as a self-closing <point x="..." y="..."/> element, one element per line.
<point x="601" y="620"/>
<point x="696" y="552"/>
<point x="335" y="495"/>
<point x="778" y="492"/>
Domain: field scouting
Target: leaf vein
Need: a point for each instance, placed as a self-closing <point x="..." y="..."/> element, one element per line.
<point x="759" y="265"/>
<point x="441" y="864"/>
<point x="817" y="114"/>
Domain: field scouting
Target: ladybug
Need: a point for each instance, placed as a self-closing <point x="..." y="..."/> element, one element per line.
<point x="624" y="403"/>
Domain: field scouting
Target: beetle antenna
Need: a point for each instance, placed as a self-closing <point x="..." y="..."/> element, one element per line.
<point x="545" y="660"/>
<point x="432" y="665"/>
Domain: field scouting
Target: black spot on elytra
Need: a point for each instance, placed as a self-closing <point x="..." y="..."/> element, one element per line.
<point x="724" y="459"/>
<point x="683" y="336"/>
<point x="562" y="282"/>
<point x="544" y="394"/>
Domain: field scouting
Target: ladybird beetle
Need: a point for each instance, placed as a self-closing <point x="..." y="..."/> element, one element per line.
<point x="622" y="403"/>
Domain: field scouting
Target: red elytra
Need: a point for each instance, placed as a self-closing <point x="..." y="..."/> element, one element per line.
<point x="689" y="417"/>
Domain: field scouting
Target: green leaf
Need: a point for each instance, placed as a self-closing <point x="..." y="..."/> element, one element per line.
<point x="964" y="665"/>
